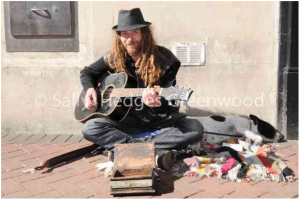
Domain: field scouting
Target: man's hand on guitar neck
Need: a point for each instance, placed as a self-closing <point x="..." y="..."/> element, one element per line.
<point x="150" y="97"/>
<point x="91" y="101"/>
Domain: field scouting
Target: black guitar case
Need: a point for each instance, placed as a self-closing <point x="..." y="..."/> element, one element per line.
<point x="58" y="160"/>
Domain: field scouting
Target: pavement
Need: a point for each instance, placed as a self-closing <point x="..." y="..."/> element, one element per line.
<point x="80" y="178"/>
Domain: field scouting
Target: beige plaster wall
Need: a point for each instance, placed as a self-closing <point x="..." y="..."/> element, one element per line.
<point x="39" y="90"/>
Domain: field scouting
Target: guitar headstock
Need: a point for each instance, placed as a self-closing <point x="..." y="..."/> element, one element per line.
<point x="176" y="93"/>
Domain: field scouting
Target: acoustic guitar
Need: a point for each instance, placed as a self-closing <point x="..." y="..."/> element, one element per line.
<point x="115" y="99"/>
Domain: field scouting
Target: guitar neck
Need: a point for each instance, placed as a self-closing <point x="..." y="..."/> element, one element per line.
<point x="131" y="92"/>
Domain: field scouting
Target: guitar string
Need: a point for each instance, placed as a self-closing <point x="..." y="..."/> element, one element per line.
<point x="108" y="92"/>
<point x="120" y="91"/>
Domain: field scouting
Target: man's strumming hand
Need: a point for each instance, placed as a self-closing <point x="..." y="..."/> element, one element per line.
<point x="91" y="101"/>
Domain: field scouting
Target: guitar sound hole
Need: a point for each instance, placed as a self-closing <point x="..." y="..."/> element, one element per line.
<point x="107" y="93"/>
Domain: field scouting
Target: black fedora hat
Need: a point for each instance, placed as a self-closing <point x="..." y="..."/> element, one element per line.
<point x="130" y="20"/>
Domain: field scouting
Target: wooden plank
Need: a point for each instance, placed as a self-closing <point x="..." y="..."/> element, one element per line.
<point x="135" y="174"/>
<point x="148" y="190"/>
<point x="131" y="183"/>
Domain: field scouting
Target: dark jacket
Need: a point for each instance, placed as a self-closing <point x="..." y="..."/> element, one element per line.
<point x="90" y="75"/>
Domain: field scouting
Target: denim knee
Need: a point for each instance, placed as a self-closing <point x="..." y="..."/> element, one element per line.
<point x="87" y="127"/>
<point x="195" y="136"/>
<point x="193" y="127"/>
<point x="196" y="126"/>
<point x="97" y="123"/>
<point x="190" y="125"/>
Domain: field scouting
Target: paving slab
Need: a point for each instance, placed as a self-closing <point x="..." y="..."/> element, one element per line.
<point x="48" y="138"/>
<point x="22" y="138"/>
<point x="34" y="139"/>
<point x="80" y="178"/>
<point x="74" y="138"/>
<point x="61" y="138"/>
<point x="10" y="137"/>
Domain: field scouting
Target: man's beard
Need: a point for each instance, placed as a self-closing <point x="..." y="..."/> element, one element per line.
<point x="134" y="51"/>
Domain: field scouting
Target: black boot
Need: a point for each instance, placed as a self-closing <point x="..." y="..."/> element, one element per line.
<point x="165" y="161"/>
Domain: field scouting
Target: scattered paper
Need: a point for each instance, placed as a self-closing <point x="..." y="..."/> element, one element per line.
<point x="108" y="166"/>
<point x="237" y="147"/>
<point x="29" y="171"/>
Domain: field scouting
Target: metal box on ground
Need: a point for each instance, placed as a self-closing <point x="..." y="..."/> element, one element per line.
<point x="133" y="169"/>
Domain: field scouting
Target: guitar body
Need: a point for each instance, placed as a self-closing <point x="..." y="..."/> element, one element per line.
<point x="115" y="97"/>
<point x="111" y="107"/>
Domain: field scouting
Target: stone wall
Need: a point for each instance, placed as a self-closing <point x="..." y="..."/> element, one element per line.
<point x="40" y="90"/>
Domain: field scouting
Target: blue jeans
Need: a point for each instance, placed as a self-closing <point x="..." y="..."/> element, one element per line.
<point x="177" y="132"/>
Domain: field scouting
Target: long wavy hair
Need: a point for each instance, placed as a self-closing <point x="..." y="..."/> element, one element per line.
<point x="149" y="64"/>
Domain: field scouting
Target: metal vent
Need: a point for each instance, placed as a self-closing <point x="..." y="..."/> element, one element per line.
<point x="189" y="54"/>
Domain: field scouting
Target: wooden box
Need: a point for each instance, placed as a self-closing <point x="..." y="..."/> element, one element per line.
<point x="133" y="169"/>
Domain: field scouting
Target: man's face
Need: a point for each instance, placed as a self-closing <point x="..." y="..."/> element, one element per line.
<point x="131" y="40"/>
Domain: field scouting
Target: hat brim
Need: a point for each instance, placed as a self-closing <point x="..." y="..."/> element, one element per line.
<point x="129" y="28"/>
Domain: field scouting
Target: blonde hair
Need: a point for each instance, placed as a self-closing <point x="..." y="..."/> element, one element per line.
<point x="149" y="64"/>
